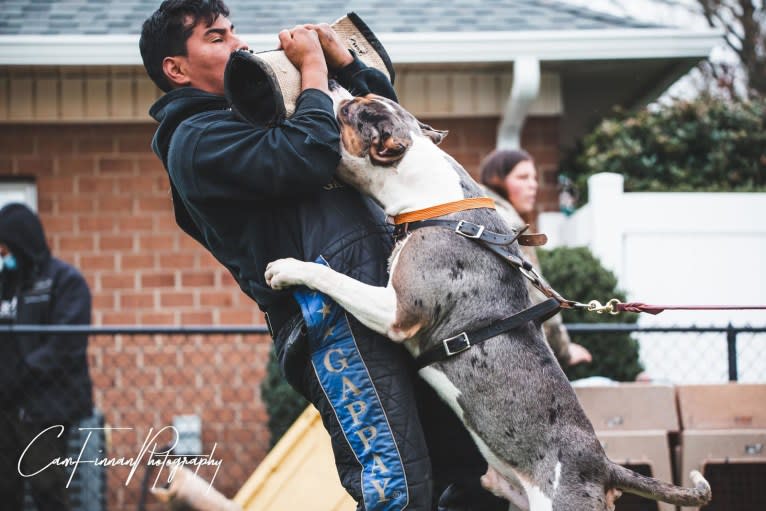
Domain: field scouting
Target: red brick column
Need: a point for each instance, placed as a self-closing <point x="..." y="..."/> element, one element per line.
<point x="104" y="200"/>
<point x="471" y="139"/>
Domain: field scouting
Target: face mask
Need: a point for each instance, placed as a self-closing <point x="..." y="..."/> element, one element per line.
<point x="9" y="262"/>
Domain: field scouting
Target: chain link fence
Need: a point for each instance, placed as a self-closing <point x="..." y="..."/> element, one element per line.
<point x="193" y="395"/>
<point x="161" y="395"/>
<point x="693" y="354"/>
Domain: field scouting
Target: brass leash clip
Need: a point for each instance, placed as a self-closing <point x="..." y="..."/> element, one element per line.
<point x="610" y="307"/>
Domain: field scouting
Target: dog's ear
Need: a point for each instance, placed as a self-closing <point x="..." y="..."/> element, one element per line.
<point x="389" y="150"/>
<point x="436" y="136"/>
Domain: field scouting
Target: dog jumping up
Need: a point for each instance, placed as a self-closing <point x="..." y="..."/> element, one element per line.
<point x="509" y="391"/>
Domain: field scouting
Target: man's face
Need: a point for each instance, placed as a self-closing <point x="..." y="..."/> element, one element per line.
<point x="208" y="50"/>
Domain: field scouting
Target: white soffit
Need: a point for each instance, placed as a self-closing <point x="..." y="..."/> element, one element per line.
<point x="403" y="48"/>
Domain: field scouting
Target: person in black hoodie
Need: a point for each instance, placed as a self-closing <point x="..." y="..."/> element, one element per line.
<point x="45" y="387"/>
<point x="252" y="193"/>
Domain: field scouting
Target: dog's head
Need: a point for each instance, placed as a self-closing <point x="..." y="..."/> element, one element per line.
<point x="378" y="129"/>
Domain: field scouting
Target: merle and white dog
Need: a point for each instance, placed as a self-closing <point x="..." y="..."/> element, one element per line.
<point x="509" y="392"/>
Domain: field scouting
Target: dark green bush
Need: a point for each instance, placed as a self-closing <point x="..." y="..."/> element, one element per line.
<point x="283" y="403"/>
<point x="578" y="275"/>
<point x="708" y="144"/>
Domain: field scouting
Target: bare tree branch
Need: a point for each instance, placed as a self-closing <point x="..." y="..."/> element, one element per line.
<point x="744" y="23"/>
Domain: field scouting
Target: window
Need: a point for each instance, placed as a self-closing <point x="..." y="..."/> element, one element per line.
<point x="17" y="189"/>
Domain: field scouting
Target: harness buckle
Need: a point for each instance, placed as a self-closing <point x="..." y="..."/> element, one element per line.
<point x="456" y="344"/>
<point x="400" y="231"/>
<point x="472" y="235"/>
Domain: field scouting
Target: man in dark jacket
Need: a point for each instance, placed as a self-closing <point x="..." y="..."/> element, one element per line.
<point x="44" y="379"/>
<point x="255" y="193"/>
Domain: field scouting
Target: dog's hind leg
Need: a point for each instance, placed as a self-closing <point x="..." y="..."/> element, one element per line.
<point x="632" y="482"/>
<point x="373" y="306"/>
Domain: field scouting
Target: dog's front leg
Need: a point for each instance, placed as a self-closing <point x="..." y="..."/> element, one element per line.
<point x="374" y="306"/>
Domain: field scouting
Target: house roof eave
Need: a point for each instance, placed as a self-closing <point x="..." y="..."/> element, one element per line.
<point x="546" y="46"/>
<point x="403" y="48"/>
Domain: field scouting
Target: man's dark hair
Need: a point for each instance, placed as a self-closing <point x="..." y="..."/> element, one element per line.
<point x="164" y="33"/>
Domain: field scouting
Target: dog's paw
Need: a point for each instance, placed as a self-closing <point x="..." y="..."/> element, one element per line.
<point x="284" y="273"/>
<point x="494" y="482"/>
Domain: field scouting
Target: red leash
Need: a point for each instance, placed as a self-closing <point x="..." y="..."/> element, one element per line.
<point x="614" y="306"/>
<point x="656" y="309"/>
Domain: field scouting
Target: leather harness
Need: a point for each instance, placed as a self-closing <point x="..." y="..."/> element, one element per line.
<point x="499" y="244"/>
<point x="465" y="340"/>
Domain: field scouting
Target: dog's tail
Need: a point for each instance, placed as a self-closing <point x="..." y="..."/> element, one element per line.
<point x="631" y="482"/>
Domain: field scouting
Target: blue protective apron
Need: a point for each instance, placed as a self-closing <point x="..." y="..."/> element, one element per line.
<point x="349" y="389"/>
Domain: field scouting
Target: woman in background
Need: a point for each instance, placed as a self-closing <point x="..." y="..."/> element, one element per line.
<point x="511" y="179"/>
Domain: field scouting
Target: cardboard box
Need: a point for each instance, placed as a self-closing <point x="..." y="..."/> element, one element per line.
<point x="730" y="448"/>
<point x="724" y="406"/>
<point x="630" y="407"/>
<point x="724" y="429"/>
<point x="632" y="421"/>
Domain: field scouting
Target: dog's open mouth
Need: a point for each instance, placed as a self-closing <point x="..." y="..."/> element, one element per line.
<point x="371" y="128"/>
<point x="358" y="113"/>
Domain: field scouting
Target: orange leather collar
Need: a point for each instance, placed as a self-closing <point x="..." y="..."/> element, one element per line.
<point x="444" y="209"/>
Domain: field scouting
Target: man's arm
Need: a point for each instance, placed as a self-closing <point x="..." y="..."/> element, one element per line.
<point x="361" y="80"/>
<point x="70" y="305"/>
<point x="302" y="46"/>
<point x="232" y="159"/>
<point x="351" y="73"/>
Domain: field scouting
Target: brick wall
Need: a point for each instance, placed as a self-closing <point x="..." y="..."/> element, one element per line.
<point x="142" y="382"/>
<point x="470" y="140"/>
<point x="104" y="200"/>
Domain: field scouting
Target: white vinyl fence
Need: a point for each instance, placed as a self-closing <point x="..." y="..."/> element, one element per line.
<point x="679" y="248"/>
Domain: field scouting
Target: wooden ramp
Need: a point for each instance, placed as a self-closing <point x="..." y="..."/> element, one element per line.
<point x="298" y="473"/>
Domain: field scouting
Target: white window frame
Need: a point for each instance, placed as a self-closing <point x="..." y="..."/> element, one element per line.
<point x="24" y="191"/>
